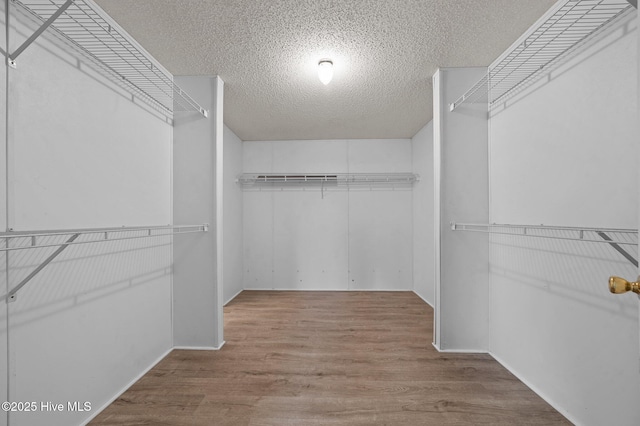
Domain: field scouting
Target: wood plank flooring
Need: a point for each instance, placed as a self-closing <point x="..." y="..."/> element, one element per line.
<point x="328" y="358"/>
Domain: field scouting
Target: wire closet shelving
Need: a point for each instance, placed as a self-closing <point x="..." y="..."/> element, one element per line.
<point x="82" y="25"/>
<point x="22" y="240"/>
<point x="570" y="26"/>
<point x="594" y="235"/>
<point x="62" y="239"/>
<point x="92" y="34"/>
<point x="326" y="180"/>
<point x="614" y="237"/>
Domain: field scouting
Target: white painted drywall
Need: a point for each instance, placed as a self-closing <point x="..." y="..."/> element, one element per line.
<point x="332" y="239"/>
<point x="423" y="242"/>
<point x="83" y="155"/>
<point x="3" y="222"/>
<point x="310" y="240"/>
<point x="380" y="240"/>
<point x="565" y="152"/>
<point x="197" y="199"/>
<point x="380" y="222"/>
<point x="460" y="195"/>
<point x="232" y="215"/>
<point x="258" y="235"/>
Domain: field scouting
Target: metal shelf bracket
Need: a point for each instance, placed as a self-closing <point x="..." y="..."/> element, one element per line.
<point x="29" y="240"/>
<point x="13" y="56"/>
<point x="11" y="297"/>
<point x="617" y="248"/>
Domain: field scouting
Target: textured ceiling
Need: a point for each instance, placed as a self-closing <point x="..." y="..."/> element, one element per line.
<point x="384" y="54"/>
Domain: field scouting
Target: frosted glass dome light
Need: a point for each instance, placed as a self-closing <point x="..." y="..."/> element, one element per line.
<point x="325" y="71"/>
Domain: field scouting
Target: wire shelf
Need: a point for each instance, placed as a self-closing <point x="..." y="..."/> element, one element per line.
<point x="325" y="180"/>
<point x="593" y="235"/>
<point x="615" y="237"/>
<point x="89" y="31"/>
<point x="63" y="238"/>
<point x="570" y="26"/>
<point x="40" y="239"/>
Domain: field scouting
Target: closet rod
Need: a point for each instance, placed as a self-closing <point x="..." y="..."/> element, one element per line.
<point x="42" y="239"/>
<point x="98" y="234"/>
<point x="591" y="235"/>
<point x="552" y="232"/>
<point x="341" y="179"/>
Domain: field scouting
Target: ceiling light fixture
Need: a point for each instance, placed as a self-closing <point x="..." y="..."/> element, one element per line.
<point x="325" y="71"/>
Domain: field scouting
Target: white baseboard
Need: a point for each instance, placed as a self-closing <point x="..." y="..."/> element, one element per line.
<point x="537" y="390"/>
<point x="125" y="388"/>
<point x="233" y="297"/>
<point x="459" y="351"/>
<point x="330" y="289"/>
<point x="200" y="348"/>
<point x="139" y="376"/>
<point x="423" y="299"/>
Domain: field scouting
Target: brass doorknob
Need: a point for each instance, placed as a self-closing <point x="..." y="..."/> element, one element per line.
<point x="619" y="285"/>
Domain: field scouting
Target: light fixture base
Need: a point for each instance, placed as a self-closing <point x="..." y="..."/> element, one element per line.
<point x="325" y="70"/>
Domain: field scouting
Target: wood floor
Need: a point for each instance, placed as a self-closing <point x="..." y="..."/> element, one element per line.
<point x="328" y="358"/>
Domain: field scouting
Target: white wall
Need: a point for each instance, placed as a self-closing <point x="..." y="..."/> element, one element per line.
<point x="461" y="320"/>
<point x="232" y="215"/>
<point x="198" y="198"/>
<point x="83" y="155"/>
<point x="423" y="243"/>
<point x="565" y="153"/>
<point x="4" y="289"/>
<point x="331" y="240"/>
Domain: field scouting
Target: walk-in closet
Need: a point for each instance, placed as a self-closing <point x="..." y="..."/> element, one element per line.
<point x="332" y="212"/>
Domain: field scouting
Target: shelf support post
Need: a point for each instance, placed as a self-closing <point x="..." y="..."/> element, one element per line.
<point x="36" y="34"/>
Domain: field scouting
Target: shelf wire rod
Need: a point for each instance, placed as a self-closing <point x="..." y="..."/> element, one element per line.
<point x="581" y="36"/>
<point x="59" y="31"/>
<point x="84" y="28"/>
<point x="546" y="227"/>
<point x="58" y="232"/>
<point x="502" y="229"/>
<point x="566" y="28"/>
<point x="469" y="96"/>
<point x="129" y="55"/>
<point x="40" y="30"/>
<point x="506" y="64"/>
<point x="72" y="240"/>
<point x="109" y="238"/>
<point x="100" y="235"/>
